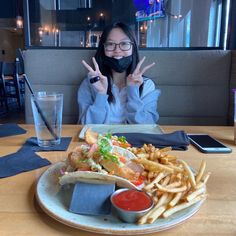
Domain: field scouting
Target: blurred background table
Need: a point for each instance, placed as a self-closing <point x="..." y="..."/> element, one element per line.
<point x="20" y="213"/>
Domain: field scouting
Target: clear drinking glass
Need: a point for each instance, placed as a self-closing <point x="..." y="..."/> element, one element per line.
<point x="47" y="113"/>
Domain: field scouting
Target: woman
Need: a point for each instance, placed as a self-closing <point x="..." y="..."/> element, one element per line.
<point x="115" y="90"/>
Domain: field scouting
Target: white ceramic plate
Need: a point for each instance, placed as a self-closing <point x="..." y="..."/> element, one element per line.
<point x="136" y="128"/>
<point x="55" y="200"/>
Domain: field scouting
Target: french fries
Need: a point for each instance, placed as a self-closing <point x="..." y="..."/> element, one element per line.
<point x="182" y="206"/>
<point x="171" y="182"/>
<point x="200" y="172"/>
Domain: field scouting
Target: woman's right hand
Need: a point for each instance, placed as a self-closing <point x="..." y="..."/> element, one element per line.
<point x="102" y="84"/>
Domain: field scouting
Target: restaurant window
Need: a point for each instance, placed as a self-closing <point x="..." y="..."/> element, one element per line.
<point x="157" y="23"/>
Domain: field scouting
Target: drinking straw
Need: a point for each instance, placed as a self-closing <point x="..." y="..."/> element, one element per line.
<point x="39" y="109"/>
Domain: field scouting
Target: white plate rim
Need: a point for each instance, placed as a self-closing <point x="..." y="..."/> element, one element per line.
<point x="117" y="228"/>
<point x="129" y="128"/>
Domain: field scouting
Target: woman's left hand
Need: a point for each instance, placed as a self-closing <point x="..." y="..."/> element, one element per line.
<point x="137" y="77"/>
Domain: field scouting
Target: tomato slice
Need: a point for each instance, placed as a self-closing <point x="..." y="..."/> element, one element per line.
<point x="125" y="145"/>
<point x="115" y="143"/>
<point x="122" y="159"/>
<point x="138" y="181"/>
<point x="119" y="144"/>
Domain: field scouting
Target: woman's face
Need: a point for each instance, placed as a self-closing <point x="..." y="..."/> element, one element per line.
<point x="115" y="37"/>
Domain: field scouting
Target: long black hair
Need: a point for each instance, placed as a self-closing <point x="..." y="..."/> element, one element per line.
<point x="100" y="54"/>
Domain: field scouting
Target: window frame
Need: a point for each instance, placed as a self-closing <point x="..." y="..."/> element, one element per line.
<point x="220" y="47"/>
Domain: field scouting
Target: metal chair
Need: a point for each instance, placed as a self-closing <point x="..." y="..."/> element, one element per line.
<point x="20" y="57"/>
<point x="13" y="85"/>
<point x="3" y="99"/>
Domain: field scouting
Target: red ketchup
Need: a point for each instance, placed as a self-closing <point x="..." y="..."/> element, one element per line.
<point x="132" y="200"/>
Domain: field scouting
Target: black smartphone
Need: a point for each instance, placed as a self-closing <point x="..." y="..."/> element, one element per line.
<point x="207" y="144"/>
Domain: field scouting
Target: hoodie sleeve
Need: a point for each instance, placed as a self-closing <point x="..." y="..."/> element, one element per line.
<point x="142" y="109"/>
<point x="93" y="106"/>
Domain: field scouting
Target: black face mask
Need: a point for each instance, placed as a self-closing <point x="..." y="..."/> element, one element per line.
<point x="118" y="65"/>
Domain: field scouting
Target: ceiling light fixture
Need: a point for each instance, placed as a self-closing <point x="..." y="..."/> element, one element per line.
<point x="19" y="22"/>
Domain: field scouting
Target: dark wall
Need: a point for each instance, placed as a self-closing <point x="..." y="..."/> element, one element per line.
<point x="10" y="8"/>
<point x="232" y="26"/>
<point x="7" y="8"/>
<point x="123" y="10"/>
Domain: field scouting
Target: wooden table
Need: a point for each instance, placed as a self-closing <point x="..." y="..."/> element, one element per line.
<point x="20" y="213"/>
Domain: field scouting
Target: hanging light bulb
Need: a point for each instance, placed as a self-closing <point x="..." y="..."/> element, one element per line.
<point x="19" y="22"/>
<point x="19" y="19"/>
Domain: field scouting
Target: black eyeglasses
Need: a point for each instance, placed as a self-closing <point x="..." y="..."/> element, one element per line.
<point x="124" y="46"/>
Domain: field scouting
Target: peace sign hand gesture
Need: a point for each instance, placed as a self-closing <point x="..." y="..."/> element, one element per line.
<point x="101" y="84"/>
<point x="137" y="77"/>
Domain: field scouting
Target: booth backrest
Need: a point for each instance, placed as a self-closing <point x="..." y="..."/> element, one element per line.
<point x="195" y="85"/>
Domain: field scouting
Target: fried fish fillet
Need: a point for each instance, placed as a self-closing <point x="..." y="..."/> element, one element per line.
<point x="116" y="169"/>
<point x="90" y="136"/>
